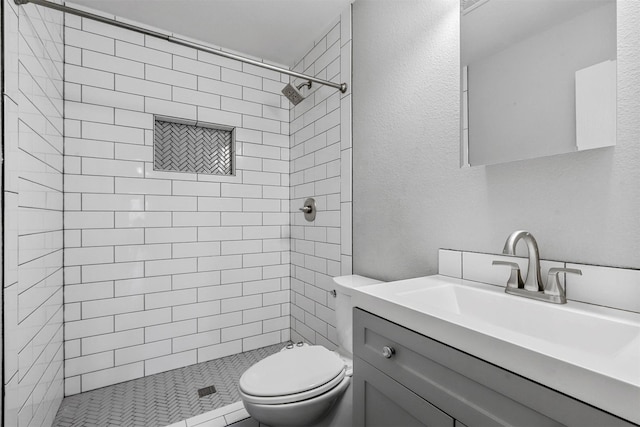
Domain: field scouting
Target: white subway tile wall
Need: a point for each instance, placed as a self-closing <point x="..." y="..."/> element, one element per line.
<point x="321" y="168"/>
<point x="167" y="269"/>
<point x="33" y="214"/>
<point x="586" y="288"/>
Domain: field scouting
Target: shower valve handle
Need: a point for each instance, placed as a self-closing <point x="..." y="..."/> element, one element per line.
<point x="309" y="209"/>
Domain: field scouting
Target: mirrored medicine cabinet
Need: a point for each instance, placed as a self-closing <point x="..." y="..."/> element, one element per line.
<point x="538" y="78"/>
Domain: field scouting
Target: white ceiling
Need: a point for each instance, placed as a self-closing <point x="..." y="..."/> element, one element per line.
<point x="281" y="31"/>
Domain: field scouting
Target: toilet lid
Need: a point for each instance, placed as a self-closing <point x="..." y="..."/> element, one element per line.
<point x="291" y="371"/>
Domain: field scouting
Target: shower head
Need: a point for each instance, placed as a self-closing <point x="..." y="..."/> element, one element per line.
<point x="293" y="93"/>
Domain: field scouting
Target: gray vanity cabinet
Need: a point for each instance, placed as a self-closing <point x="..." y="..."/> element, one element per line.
<point x="417" y="381"/>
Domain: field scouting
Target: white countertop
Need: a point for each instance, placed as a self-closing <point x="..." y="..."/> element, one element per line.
<point x="589" y="352"/>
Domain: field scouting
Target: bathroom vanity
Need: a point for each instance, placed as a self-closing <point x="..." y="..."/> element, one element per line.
<point x="416" y="364"/>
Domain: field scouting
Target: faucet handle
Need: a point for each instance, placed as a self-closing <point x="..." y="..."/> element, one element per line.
<point x="515" y="279"/>
<point x="553" y="281"/>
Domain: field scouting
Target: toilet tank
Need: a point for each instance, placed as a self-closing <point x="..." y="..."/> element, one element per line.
<point x="344" y="286"/>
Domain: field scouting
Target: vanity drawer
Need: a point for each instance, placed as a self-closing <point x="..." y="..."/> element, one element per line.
<point x="472" y="391"/>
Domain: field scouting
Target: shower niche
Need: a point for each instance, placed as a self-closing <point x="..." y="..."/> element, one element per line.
<point x="194" y="147"/>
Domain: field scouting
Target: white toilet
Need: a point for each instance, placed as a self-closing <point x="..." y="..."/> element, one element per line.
<point x="307" y="385"/>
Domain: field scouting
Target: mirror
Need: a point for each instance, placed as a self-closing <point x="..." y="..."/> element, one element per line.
<point x="538" y="78"/>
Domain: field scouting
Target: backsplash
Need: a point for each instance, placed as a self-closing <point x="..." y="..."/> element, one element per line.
<point x="617" y="288"/>
<point x="168" y="269"/>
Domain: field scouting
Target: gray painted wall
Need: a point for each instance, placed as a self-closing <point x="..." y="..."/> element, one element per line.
<point x="410" y="196"/>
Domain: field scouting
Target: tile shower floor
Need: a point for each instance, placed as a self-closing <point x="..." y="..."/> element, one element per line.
<point x="164" y="398"/>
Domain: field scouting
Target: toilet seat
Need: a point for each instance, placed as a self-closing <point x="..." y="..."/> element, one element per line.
<point x="292" y="376"/>
<point x="296" y="397"/>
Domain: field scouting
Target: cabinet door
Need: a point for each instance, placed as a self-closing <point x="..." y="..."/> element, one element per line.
<point x="379" y="401"/>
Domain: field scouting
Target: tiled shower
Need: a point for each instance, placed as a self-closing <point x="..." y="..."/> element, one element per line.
<point x="114" y="270"/>
<point x="33" y="214"/>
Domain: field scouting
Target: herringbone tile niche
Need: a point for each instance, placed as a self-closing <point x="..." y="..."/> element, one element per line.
<point x="182" y="146"/>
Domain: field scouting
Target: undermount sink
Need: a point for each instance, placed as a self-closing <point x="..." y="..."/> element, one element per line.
<point x="574" y="348"/>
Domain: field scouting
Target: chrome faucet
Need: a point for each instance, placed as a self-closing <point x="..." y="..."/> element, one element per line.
<point x="533" y="281"/>
<point x="532" y="287"/>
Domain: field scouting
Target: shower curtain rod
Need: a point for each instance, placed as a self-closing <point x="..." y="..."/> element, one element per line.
<point x="340" y="86"/>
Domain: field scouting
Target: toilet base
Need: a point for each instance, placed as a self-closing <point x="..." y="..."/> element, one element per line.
<point x="341" y="414"/>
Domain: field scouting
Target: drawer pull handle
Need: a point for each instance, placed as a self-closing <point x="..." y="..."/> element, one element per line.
<point x="388" y="352"/>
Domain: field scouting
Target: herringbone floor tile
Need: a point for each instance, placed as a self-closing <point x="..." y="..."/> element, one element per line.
<point x="161" y="399"/>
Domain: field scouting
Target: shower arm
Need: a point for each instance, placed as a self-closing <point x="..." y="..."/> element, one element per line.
<point x="342" y="87"/>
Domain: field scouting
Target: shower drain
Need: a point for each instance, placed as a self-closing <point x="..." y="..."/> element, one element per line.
<point x="206" y="391"/>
